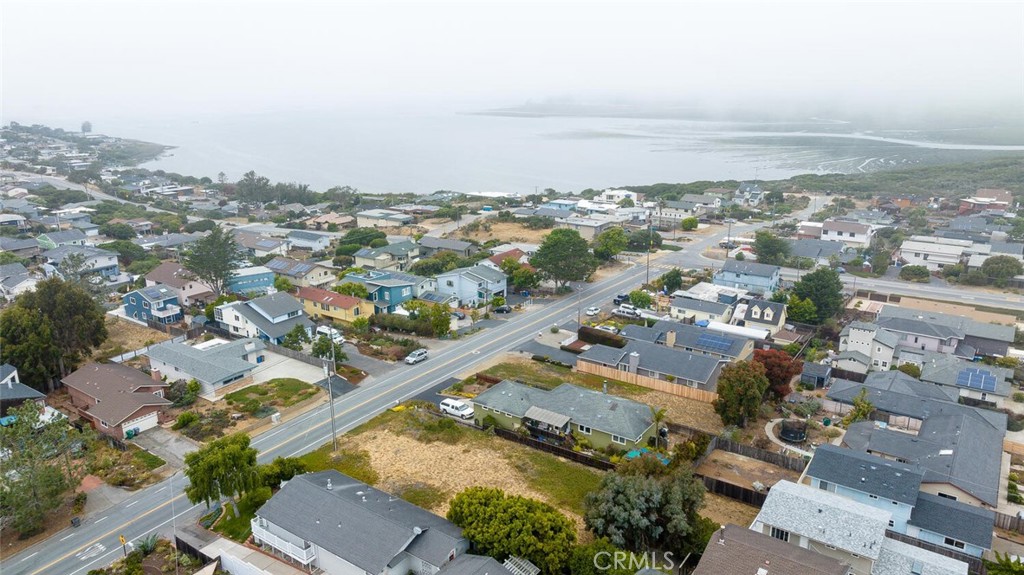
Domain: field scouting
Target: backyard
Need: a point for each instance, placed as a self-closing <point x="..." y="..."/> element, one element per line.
<point x="124" y="336"/>
<point x="743" y="471"/>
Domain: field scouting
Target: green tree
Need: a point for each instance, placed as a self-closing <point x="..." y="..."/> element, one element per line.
<point x="353" y="289"/>
<point x="10" y="258"/>
<point x="590" y="559"/>
<point x="641" y="299"/>
<point x="200" y="226"/>
<point x="1004" y="564"/>
<point x="378" y="242"/>
<point x="117" y="231"/>
<point x="296" y="337"/>
<point x="801" y="310"/>
<point x="86" y="127"/>
<point x="284" y="284"/>
<point x="915" y="274"/>
<point x="563" y="257"/>
<point x="644" y="240"/>
<point x="880" y="261"/>
<point x="501" y="525"/>
<point x="672" y="280"/>
<point x="440" y="317"/>
<point x="610" y="243"/>
<point x="741" y="388"/>
<point x="27" y="342"/>
<point x="361" y="324"/>
<point x="770" y="249"/>
<point x="213" y="259"/>
<point x="626" y="203"/>
<point x="322" y="349"/>
<point x="910" y="369"/>
<point x="210" y="310"/>
<point x="127" y="250"/>
<point x="689" y="224"/>
<point x="362" y="236"/>
<point x="862" y="408"/>
<point x="824" y="289"/>
<point x="740" y="256"/>
<point x="525" y="279"/>
<point x="281" y="469"/>
<point x="225" y="467"/>
<point x="645" y="513"/>
<point x="999" y="269"/>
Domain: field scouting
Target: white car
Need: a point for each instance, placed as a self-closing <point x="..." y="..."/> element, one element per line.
<point x="416" y="356"/>
<point x="609" y="329"/>
<point x="592" y="311"/>
<point x="456" y="408"/>
<point x="330" y="332"/>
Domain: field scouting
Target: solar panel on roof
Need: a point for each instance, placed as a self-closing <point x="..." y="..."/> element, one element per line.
<point x="975" y="378"/>
<point x="714" y="342"/>
<point x="277" y="264"/>
<point x="302" y="268"/>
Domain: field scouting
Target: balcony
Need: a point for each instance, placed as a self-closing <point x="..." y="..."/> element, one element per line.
<point x="304" y="555"/>
<point x="168" y="311"/>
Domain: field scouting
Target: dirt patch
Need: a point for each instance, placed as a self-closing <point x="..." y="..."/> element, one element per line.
<point x="124" y="336"/>
<point x="502" y="231"/>
<point x="684" y="411"/>
<point x="611" y="268"/>
<point x="743" y="471"/>
<point x="724" y="511"/>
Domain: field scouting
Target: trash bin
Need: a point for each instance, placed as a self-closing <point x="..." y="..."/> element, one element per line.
<point x="827" y="421"/>
<point x="75" y="521"/>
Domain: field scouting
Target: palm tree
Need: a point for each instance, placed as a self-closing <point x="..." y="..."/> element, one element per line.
<point x="659" y="416"/>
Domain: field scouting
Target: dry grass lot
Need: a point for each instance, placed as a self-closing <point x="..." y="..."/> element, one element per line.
<point x="743" y="471"/>
<point x="504" y="231"/>
<point x="723" y="510"/>
<point x="123" y="335"/>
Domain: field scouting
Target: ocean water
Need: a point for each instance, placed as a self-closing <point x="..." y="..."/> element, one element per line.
<point x="421" y="152"/>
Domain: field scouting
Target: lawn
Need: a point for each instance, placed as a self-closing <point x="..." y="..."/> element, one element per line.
<point x="234" y="524"/>
<point x="147" y="459"/>
<point x="565" y="484"/>
<point x="550" y="376"/>
<point x="281" y="392"/>
<point x="352" y="462"/>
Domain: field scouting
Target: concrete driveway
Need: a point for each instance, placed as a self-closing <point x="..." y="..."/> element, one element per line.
<point x="165" y="444"/>
<point x="277" y="366"/>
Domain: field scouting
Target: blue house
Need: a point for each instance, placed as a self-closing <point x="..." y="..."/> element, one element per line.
<point x="387" y="292"/>
<point x="253" y="280"/>
<point x="158" y="303"/>
<point x="760" y="279"/>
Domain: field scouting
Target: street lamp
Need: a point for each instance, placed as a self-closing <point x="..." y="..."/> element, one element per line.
<point x="330" y="392"/>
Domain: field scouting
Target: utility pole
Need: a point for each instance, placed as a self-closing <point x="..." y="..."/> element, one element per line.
<point x="579" y="317"/>
<point x="330" y="393"/>
<point x="650" y="244"/>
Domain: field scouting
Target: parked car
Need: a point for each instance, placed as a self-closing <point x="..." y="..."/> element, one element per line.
<point x="330" y="332"/>
<point x="629" y="307"/>
<point x="593" y="310"/>
<point x="458" y="314"/>
<point x="620" y="298"/>
<point x="456" y="408"/>
<point x="609" y="328"/>
<point x="416" y="356"/>
<point x="503" y="309"/>
<point x="625" y="313"/>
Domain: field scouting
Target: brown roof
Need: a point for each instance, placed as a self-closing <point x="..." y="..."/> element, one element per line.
<point x="114" y="385"/>
<point x="843" y="226"/>
<point x="171" y="274"/>
<point x="327" y="297"/>
<point x="734" y="550"/>
<point x="515" y="253"/>
<point x="995" y="194"/>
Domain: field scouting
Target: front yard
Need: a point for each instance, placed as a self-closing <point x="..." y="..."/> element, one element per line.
<point x="281" y="392"/>
<point x="131" y="469"/>
<point x="124" y="336"/>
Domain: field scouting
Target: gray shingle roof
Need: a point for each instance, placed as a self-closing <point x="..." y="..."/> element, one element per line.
<point x="962" y="324"/>
<point x="944" y="369"/>
<point x="59" y="253"/>
<point x="480" y="271"/>
<point x="777" y="312"/>
<point x="816" y="369"/>
<point x="898" y="558"/>
<point x="814" y="249"/>
<point x="750" y="268"/>
<point x="358" y="523"/>
<point x="307" y="236"/>
<point x="826" y="517"/>
<point x="467" y="564"/>
<point x="688" y="337"/>
<point x="209" y="365"/>
<point x="867" y="473"/>
<point x="65" y="236"/>
<point x="277" y="304"/>
<point x="607" y="413"/>
<point x="736" y="550"/>
<point x="681" y="364"/>
<point x="444" y="244"/>
<point x="15" y="390"/>
<point x="920" y="327"/>
<point x="699" y="305"/>
<point x="968" y="523"/>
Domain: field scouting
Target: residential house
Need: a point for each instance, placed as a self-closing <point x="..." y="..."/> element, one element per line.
<point x="603" y="420"/>
<point x="865" y="347"/>
<point x="712" y="292"/>
<point x="213" y="363"/>
<point x="251" y="280"/>
<point x="90" y="229"/>
<point x="976" y="204"/>
<point x="22" y="248"/>
<point x="397" y="256"/>
<point x="416" y="209"/>
<point x="695" y="310"/>
<point x="173" y="242"/>
<point x="818" y="251"/>
<point x="330" y="523"/>
<point x="189" y="290"/>
<point x="259" y="246"/>
<point x="736" y="550"/>
<point x="845" y="530"/>
<point x="616" y="196"/>
<point x="302" y="273"/>
<point x="949" y="333"/>
<point x="710" y="202"/>
<point x="756" y="278"/>
<point x="809" y="230"/>
<point x="933" y="253"/>
<point x="853" y="234"/>
<point x="158" y="303"/>
<point x="528" y="249"/>
<point x="303" y="240"/>
<point x="325" y="221"/>
<point x="762" y="314"/>
<point x="430" y="245"/>
<point x="668" y="215"/>
<point x="692" y="339"/>
<point x="748" y="194"/>
<point x="974" y="381"/>
<point x="385" y="291"/>
<point x="542" y="212"/>
<point x="13" y="393"/>
<point x="51" y="240"/>
<point x="895" y="487"/>
<point x="117" y="400"/>
<point x="519" y="256"/>
<point x="651" y="365"/>
<point x="269" y="318"/>
<point x="320" y="303"/>
<point x="95" y="260"/>
<point x="15" y="221"/>
<point x="588" y="228"/>
<point x="15" y="280"/>
<point x="473" y="285"/>
<point x="381" y="218"/>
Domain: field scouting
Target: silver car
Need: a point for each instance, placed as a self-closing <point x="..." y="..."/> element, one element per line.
<point x="416" y="356"/>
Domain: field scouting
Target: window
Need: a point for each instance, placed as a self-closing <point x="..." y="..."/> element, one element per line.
<point x="885" y="364"/>
<point x="619" y="440"/>
<point x="895" y="502"/>
<point x="584" y="429"/>
<point x="947" y="496"/>
<point x="449" y="283"/>
<point x="892" y="523"/>
<point x="132" y="299"/>
<point x="145" y="304"/>
<point x="823" y="485"/>
<point x="780" y="534"/>
<point x="872" y="496"/>
<point x="355" y="310"/>
<point x="953" y="543"/>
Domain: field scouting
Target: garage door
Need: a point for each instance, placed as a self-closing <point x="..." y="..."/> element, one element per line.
<point x="142" y="423"/>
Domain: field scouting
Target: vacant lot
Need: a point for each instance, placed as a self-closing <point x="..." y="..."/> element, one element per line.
<point x="123" y="335"/>
<point x="503" y="231"/>
<point x="743" y="471"/>
<point x="281" y="392"/>
<point x="723" y="510"/>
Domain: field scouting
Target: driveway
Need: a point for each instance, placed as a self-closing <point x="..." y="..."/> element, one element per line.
<point x="370" y="365"/>
<point x="277" y="366"/>
<point x="165" y="444"/>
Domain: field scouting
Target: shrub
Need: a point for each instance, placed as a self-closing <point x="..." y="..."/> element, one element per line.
<point x="78" y="505"/>
<point x="1018" y="396"/>
<point x="186" y="419"/>
<point x="554" y="329"/>
<point x="1014" y="498"/>
<point x="250" y="406"/>
<point x="1013" y="477"/>
<point x="832" y="433"/>
<point x="255" y="498"/>
<point x="808" y="408"/>
<point x="489" y="421"/>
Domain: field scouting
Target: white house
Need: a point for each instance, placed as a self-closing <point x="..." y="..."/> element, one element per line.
<point x="312" y="241"/>
<point x="865" y="347"/>
<point x="933" y="253"/>
<point x="269" y="318"/>
<point x="853" y="234"/>
<point x="473" y="285"/>
<point x="15" y="280"/>
<point x="382" y="218"/>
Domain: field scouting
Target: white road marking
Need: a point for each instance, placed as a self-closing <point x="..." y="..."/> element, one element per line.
<point x="68" y="537"/>
<point x="101" y="519"/>
<point x="29" y="557"/>
<point x="132" y="503"/>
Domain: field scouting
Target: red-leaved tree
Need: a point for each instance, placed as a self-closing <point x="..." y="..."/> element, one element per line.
<point x="779" y="368"/>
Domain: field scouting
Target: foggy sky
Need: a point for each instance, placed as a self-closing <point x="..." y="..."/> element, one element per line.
<point x="136" y="58"/>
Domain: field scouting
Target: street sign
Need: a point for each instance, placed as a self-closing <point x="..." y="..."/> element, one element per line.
<point x="121" y="537"/>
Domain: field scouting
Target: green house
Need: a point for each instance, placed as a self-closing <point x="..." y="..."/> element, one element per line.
<point x="568" y="409"/>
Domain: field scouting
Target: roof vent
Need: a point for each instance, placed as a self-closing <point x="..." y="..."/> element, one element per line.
<point x="417" y="530"/>
<point x="945" y="452"/>
<point x="329" y="486"/>
<point x="762" y="571"/>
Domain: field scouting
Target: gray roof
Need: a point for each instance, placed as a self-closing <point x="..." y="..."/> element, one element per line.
<point x="750" y="268"/>
<point x="407" y="277"/>
<point x="856" y="356"/>
<point x="13" y="391"/>
<point x="968" y="523"/>
<point x="14" y="244"/>
<point x="966" y="325"/>
<point x="444" y="244"/>
<point x="362" y="525"/>
<point x="736" y="550"/>
<point x="58" y="254"/>
<point x="156" y="293"/>
<point x="467" y="564"/>
<point x="689" y="337"/>
<point x="814" y="249"/>
<point x="277" y="304"/>
<point x="65" y="236"/>
<point x="826" y="517"/>
<point x="898" y="558"/>
<point x="945" y="369"/>
<point x="866" y="473"/>
<point x="897" y="393"/>
<point x="274" y="305"/>
<point x="669" y="361"/>
<point x="291" y="267"/>
<point x="210" y="365"/>
<point x="168" y="240"/>
<point x="816" y="369"/>
<point x="480" y="271"/>
<point x="919" y="327"/>
<point x="700" y="305"/>
<point x="607" y="413"/>
<point x="777" y="312"/>
<point x="1007" y="248"/>
<point x="307" y="236"/>
<point x="15" y="269"/>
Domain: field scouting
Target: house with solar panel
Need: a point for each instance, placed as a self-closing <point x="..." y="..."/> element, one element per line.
<point x="397" y="256"/>
<point x="302" y="273"/>
<point x="250" y="281"/>
<point x="692" y="339"/>
<point x="974" y="381"/>
<point x="312" y="241"/>
<point x="257" y="245"/>
<point x="157" y="303"/>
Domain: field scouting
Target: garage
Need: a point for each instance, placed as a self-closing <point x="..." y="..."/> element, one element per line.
<point x="143" y="423"/>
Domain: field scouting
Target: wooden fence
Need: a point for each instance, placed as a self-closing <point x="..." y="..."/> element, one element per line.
<point x="1009" y="522"/>
<point x="975" y="566"/>
<point x="733" y="491"/>
<point x="678" y="389"/>
<point x="555" y="450"/>
<point x="296" y="355"/>
<point x="791" y="463"/>
<point x="1013" y="448"/>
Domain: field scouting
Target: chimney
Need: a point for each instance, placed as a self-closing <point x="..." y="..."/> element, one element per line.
<point x="670" y="338"/>
<point x="634" y="361"/>
<point x="155" y="374"/>
<point x="329" y="486"/>
<point x="250" y="346"/>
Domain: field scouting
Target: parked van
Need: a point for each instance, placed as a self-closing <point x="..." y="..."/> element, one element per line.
<point x="330" y="332"/>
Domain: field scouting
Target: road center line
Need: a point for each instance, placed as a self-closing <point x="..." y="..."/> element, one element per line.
<point x="66" y="537"/>
<point x="132" y="503"/>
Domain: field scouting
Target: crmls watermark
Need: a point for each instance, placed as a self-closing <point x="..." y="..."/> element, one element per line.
<point x="624" y="560"/>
